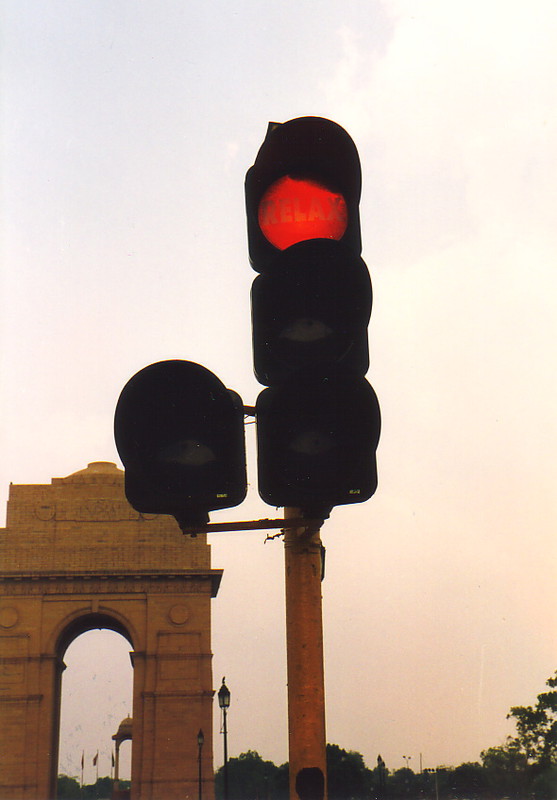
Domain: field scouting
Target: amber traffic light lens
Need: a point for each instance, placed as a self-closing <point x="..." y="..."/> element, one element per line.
<point x="293" y="210"/>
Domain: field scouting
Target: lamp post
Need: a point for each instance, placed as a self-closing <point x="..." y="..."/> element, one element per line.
<point x="200" y="743"/>
<point x="224" y="704"/>
<point x="407" y="759"/>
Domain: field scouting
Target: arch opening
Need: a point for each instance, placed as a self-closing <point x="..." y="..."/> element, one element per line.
<point x="88" y="622"/>
<point x="95" y="695"/>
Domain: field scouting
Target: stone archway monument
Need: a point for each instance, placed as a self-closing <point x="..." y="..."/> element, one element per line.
<point x="75" y="556"/>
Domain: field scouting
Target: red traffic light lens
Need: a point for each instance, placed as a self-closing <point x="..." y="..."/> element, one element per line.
<point x="293" y="210"/>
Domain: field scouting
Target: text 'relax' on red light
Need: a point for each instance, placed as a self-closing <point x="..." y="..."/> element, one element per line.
<point x="294" y="210"/>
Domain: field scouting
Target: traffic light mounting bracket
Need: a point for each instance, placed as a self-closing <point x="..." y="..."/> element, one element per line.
<point x="251" y="525"/>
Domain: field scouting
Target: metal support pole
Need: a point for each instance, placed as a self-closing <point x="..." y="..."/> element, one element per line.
<point x="225" y="766"/>
<point x="200" y="743"/>
<point x="304" y="652"/>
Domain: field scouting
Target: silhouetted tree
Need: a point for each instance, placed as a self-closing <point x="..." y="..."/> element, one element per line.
<point x="249" y="778"/>
<point x="506" y="770"/>
<point x="347" y="775"/>
<point x="280" y="787"/>
<point x="526" y="764"/>
<point x="101" y="790"/>
<point x="68" y="788"/>
<point x="402" y="783"/>
<point x="468" y="780"/>
<point x="252" y="778"/>
<point x="544" y="785"/>
<point x="536" y="728"/>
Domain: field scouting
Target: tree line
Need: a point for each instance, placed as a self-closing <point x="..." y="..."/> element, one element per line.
<point x="69" y="789"/>
<point x="522" y="768"/>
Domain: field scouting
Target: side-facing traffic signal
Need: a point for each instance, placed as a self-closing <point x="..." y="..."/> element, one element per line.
<point x="180" y="434"/>
<point x="318" y="422"/>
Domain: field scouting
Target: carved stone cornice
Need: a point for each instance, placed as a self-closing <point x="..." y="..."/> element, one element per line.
<point x="131" y="581"/>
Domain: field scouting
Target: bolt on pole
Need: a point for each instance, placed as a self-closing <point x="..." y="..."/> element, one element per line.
<point x="304" y="652"/>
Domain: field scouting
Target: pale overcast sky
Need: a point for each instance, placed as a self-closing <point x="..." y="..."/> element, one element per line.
<point x="127" y="129"/>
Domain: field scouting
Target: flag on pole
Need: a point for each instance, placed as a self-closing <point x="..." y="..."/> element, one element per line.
<point x="82" y="759"/>
<point x="112" y="758"/>
<point x="95" y="759"/>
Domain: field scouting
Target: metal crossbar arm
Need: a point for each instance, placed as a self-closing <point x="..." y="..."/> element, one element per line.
<point x="251" y="525"/>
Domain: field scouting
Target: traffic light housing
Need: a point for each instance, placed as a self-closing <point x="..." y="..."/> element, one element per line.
<point x="180" y="434"/>
<point x="318" y="423"/>
<point x="317" y="436"/>
<point x="305" y="184"/>
<point x="312" y="311"/>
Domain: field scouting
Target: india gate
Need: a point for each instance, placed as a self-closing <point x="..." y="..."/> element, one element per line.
<point x="74" y="556"/>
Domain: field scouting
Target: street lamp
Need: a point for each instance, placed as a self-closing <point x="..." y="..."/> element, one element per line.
<point x="200" y="743"/>
<point x="224" y="704"/>
<point x="407" y="759"/>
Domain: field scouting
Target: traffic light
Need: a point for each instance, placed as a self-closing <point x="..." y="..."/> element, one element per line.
<point x="318" y="423"/>
<point x="314" y="310"/>
<point x="180" y="434"/>
<point x="305" y="184"/>
<point x="317" y="436"/>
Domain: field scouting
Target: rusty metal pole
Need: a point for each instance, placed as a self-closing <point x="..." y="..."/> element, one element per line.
<point x="304" y="653"/>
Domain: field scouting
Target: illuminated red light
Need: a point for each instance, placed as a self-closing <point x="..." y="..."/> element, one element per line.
<point x="293" y="210"/>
